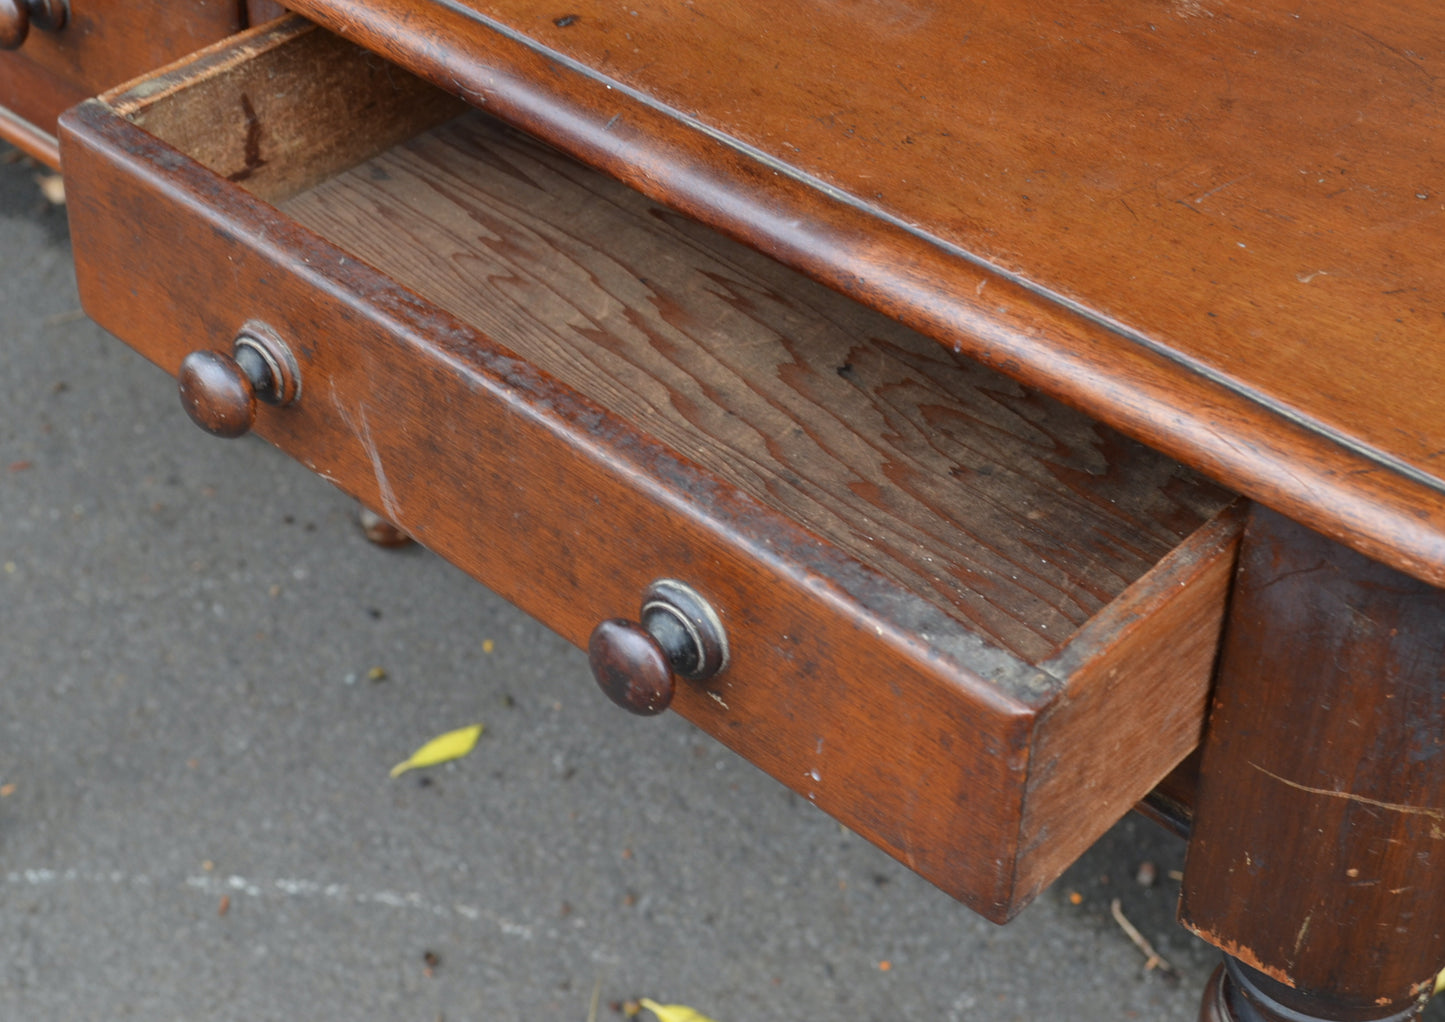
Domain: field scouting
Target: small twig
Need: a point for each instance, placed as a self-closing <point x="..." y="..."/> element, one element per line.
<point x="61" y="318"/>
<point x="596" y="999"/>
<point x="1153" y="959"/>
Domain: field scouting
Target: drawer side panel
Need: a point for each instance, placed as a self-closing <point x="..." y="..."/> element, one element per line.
<point x="1138" y="687"/>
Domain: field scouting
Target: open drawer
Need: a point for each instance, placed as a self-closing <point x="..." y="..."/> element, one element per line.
<point x="963" y="619"/>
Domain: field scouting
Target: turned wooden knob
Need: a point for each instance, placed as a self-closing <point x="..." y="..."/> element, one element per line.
<point x="16" y="17"/>
<point x="679" y="634"/>
<point x="219" y="391"/>
<point x="631" y="667"/>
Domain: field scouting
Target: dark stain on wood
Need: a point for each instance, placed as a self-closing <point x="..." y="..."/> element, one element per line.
<point x="254" y="161"/>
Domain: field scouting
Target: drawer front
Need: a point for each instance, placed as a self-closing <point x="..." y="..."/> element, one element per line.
<point x="872" y="692"/>
<point x="101" y="44"/>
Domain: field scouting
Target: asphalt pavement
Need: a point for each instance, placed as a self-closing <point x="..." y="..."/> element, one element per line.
<point x="206" y="673"/>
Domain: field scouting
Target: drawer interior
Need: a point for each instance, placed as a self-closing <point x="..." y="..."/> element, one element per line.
<point x="970" y="622"/>
<point x="1002" y="507"/>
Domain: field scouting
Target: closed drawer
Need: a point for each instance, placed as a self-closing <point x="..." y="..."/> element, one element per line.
<point x="965" y="620"/>
<point x="100" y="44"/>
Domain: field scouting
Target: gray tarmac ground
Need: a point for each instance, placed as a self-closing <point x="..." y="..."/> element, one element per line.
<point x="196" y="818"/>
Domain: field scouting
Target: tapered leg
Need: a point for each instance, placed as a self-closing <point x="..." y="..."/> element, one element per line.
<point x="1317" y="855"/>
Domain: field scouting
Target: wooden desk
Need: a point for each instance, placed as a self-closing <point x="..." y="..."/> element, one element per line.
<point x="1214" y="230"/>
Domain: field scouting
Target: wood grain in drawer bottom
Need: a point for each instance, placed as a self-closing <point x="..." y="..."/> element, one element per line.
<point x="966" y="621"/>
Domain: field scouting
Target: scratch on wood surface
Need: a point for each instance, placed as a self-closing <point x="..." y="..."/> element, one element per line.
<point x="1219" y="188"/>
<point x="1321" y="565"/>
<point x="361" y="429"/>
<point x="1405" y="56"/>
<point x="1394" y="807"/>
<point x="470" y="95"/>
<point x="905" y="839"/>
<point x="1191" y="9"/>
<point x="1304" y="929"/>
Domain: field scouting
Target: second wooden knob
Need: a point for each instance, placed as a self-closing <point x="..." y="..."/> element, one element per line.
<point x="17" y="17"/>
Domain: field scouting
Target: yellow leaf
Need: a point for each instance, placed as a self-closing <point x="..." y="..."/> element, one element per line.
<point x="441" y="749"/>
<point x="1439" y="983"/>
<point x="673" y="1012"/>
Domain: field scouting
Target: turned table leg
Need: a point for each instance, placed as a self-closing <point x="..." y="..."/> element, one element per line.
<point x="1317" y="856"/>
<point x="1237" y="993"/>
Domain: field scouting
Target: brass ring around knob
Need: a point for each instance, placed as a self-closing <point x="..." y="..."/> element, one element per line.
<point x="219" y="391"/>
<point x="679" y="634"/>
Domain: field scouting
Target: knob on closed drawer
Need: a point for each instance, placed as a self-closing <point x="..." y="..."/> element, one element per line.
<point x="16" y="17"/>
<point x="678" y="634"/>
<point x="219" y="391"/>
